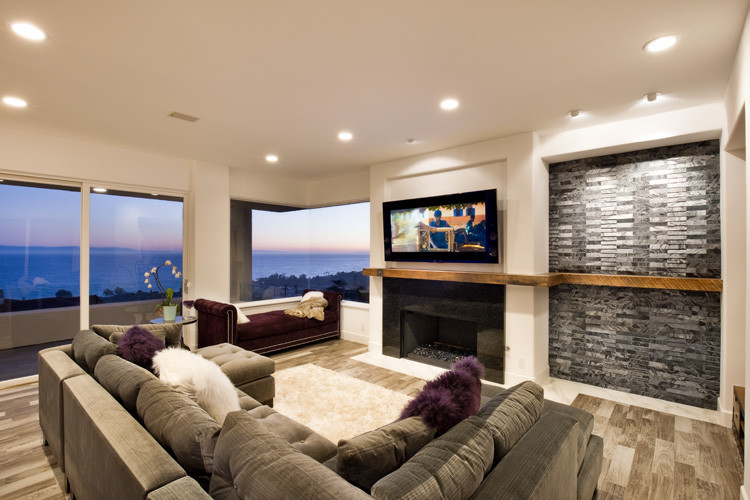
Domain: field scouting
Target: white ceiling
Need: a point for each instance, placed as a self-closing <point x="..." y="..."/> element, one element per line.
<point x="285" y="77"/>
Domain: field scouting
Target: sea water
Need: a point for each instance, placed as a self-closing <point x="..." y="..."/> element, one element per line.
<point x="39" y="272"/>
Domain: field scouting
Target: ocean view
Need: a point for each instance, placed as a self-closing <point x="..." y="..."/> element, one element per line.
<point x="40" y="272"/>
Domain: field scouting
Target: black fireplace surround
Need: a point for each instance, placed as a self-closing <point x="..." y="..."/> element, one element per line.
<point x="454" y="304"/>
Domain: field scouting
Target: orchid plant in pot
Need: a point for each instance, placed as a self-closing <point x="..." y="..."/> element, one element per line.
<point x="166" y="309"/>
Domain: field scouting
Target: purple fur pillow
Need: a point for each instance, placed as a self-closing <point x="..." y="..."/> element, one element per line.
<point x="450" y="398"/>
<point x="138" y="346"/>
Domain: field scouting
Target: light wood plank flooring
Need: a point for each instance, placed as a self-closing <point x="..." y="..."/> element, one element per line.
<point x="647" y="454"/>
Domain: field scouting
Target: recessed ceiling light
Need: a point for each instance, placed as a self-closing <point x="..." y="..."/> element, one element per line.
<point x="661" y="43"/>
<point x="411" y="140"/>
<point x="652" y="96"/>
<point x="449" y="104"/>
<point x="575" y="112"/>
<point x="99" y="190"/>
<point x="28" y="31"/>
<point x="272" y="158"/>
<point x="15" y="102"/>
<point x="345" y="136"/>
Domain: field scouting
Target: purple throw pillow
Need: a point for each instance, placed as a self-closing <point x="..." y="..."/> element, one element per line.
<point x="450" y="398"/>
<point x="138" y="346"/>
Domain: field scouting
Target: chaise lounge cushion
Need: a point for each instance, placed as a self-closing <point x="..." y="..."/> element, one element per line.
<point x="451" y="466"/>
<point x="273" y="323"/>
<point x="252" y="462"/>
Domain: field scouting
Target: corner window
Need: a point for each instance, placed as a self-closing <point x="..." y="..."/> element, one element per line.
<point x="281" y="251"/>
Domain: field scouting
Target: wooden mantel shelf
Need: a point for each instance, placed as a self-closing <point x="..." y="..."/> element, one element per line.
<point x="552" y="279"/>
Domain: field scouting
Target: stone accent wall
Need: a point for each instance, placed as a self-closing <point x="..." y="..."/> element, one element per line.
<point x="653" y="212"/>
<point x="659" y="343"/>
<point x="650" y="212"/>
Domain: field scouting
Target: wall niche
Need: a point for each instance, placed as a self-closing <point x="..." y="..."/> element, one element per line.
<point x="651" y="212"/>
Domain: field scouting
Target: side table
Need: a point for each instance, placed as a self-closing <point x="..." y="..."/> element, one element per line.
<point x="187" y="320"/>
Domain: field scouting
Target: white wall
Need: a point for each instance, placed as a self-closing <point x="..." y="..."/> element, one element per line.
<point x="510" y="165"/>
<point x="737" y="105"/>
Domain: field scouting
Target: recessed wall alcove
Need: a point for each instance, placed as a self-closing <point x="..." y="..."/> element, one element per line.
<point x="460" y="314"/>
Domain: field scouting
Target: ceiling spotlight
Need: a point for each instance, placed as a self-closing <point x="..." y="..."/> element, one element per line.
<point x="345" y="136"/>
<point x="449" y="104"/>
<point x="28" y="31"/>
<point x="272" y="158"/>
<point x="99" y="190"/>
<point x="574" y="113"/>
<point x="411" y="140"/>
<point x="15" y="102"/>
<point x="661" y="43"/>
<point x="652" y="96"/>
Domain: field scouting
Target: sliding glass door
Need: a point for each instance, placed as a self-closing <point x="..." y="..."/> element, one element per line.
<point x="40" y="255"/>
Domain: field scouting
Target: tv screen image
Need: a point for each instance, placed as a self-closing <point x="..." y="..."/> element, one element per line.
<point x="455" y="227"/>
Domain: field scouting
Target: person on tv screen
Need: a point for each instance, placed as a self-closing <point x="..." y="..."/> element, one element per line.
<point x="438" y="239"/>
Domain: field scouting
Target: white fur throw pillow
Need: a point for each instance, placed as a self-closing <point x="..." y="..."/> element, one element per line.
<point x="312" y="295"/>
<point x="241" y="318"/>
<point x="199" y="378"/>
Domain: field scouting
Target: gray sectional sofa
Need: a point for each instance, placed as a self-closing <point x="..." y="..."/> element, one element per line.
<point x="119" y="432"/>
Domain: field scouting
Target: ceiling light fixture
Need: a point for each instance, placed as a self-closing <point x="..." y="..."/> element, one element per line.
<point x="99" y="190"/>
<point x="28" y="31"/>
<point x="660" y="44"/>
<point x="411" y="140"/>
<point x="272" y="158"/>
<point x="449" y="104"/>
<point x="652" y="96"/>
<point x="345" y="136"/>
<point x="575" y="112"/>
<point x="15" y="102"/>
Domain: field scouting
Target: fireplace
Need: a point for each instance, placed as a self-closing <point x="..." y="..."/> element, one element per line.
<point x="436" y="340"/>
<point x="438" y="322"/>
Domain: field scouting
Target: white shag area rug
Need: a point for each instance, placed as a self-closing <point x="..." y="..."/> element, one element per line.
<point x="333" y="404"/>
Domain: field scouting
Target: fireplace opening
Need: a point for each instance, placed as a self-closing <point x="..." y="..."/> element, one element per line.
<point x="436" y="340"/>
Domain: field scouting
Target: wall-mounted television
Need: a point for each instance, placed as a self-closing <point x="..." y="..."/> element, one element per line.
<point x="460" y="227"/>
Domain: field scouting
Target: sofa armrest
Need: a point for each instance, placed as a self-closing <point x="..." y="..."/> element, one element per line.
<point x="217" y="322"/>
<point x="543" y="463"/>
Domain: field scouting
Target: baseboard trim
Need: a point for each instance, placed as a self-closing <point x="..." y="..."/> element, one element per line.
<point x="360" y="338"/>
<point x="725" y="415"/>
<point x="4" y="384"/>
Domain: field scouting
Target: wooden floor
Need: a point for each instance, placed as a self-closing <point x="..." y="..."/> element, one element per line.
<point x="647" y="454"/>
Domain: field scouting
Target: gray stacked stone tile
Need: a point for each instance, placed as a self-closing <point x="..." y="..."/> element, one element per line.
<point x="652" y="212"/>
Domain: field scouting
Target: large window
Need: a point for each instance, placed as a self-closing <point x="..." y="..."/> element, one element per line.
<point x="40" y="255"/>
<point x="46" y="296"/>
<point x="280" y="251"/>
<point x="130" y="234"/>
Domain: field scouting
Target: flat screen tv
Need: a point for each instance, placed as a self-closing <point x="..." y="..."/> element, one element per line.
<point x="459" y="227"/>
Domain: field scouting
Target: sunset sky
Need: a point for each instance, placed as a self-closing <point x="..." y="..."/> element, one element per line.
<point x="343" y="228"/>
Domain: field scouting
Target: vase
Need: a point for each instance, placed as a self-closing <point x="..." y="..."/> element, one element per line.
<point x="169" y="312"/>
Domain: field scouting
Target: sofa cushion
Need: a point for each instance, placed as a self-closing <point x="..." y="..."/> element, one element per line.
<point x="302" y="438"/>
<point x="364" y="459"/>
<point x="252" y="462"/>
<point x="585" y="423"/>
<point x="451" y="466"/>
<point x="180" y="425"/>
<point x="511" y="413"/>
<point x="122" y="379"/>
<point x="139" y="345"/>
<point x="88" y="347"/>
<point x="170" y="333"/>
<point x="449" y="398"/>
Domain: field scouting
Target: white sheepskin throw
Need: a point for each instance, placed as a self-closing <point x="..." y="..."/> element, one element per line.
<point x="199" y="378"/>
